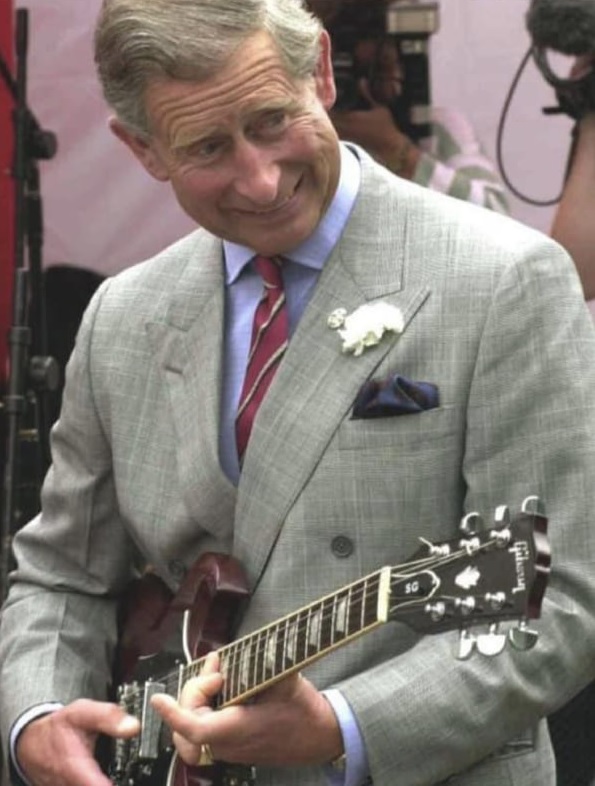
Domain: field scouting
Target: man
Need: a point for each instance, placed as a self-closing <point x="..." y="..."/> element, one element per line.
<point x="373" y="110"/>
<point x="227" y="100"/>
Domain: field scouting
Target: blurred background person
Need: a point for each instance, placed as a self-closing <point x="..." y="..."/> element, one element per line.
<point x="574" y="222"/>
<point x="558" y="29"/>
<point x="372" y="110"/>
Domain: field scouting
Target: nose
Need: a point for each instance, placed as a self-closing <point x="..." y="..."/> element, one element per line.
<point x="257" y="174"/>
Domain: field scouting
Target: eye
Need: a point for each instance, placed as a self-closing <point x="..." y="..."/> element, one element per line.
<point x="268" y="123"/>
<point x="274" y="119"/>
<point x="204" y="150"/>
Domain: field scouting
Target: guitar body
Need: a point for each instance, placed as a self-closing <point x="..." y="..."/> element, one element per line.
<point x="159" y="631"/>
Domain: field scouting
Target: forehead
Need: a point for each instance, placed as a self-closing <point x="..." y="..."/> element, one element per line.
<point x="253" y="78"/>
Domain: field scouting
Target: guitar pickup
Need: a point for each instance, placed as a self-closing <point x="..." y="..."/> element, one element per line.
<point x="151" y="723"/>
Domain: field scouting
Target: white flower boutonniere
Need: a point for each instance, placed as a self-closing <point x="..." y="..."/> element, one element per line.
<point x="366" y="325"/>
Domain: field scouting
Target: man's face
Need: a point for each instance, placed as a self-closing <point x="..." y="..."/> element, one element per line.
<point x="251" y="153"/>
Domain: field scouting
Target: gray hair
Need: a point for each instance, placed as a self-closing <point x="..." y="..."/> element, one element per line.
<point x="137" y="41"/>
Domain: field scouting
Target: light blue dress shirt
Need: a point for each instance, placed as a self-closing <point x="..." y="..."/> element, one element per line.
<point x="243" y="290"/>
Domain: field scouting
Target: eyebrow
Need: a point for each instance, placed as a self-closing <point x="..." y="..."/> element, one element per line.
<point x="277" y="104"/>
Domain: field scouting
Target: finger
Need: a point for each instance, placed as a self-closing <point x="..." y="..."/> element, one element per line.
<point x="200" y="691"/>
<point x="188" y="730"/>
<point x="101" y="717"/>
<point x="211" y="664"/>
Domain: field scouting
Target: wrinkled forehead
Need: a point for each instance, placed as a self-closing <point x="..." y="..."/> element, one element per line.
<point x="253" y="80"/>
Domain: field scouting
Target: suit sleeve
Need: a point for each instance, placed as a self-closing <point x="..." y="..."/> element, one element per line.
<point x="59" y="621"/>
<point x="530" y="428"/>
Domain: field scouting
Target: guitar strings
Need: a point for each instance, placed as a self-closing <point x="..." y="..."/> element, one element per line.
<point x="257" y="641"/>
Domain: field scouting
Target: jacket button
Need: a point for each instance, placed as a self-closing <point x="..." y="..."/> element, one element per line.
<point x="177" y="569"/>
<point x="342" y="546"/>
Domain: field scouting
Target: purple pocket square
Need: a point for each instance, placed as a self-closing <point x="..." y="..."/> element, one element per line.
<point x="395" y="395"/>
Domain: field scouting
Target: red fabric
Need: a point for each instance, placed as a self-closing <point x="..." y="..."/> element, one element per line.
<point x="6" y="189"/>
<point x="268" y="343"/>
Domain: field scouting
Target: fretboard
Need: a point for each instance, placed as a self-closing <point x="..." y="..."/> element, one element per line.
<point x="260" y="659"/>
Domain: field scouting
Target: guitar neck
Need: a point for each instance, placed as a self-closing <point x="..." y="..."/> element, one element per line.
<point x="258" y="660"/>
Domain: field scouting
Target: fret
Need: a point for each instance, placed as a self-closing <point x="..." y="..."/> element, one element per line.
<point x="371" y="599"/>
<point x="326" y="627"/>
<point x="254" y="659"/>
<point x="225" y="667"/>
<point x="244" y="665"/>
<point x="261" y="657"/>
<point x="270" y="652"/>
<point x="363" y="610"/>
<point x="280" y="649"/>
<point x="348" y="608"/>
<point x="301" y="650"/>
<point x="236" y="685"/>
<point x="340" y="616"/>
<point x="313" y="633"/>
<point x="354" y="615"/>
<point x="291" y="641"/>
<point x="229" y="670"/>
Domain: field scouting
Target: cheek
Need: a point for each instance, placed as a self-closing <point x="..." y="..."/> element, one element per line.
<point x="197" y="191"/>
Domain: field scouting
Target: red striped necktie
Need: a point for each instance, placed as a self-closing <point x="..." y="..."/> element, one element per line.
<point x="268" y="344"/>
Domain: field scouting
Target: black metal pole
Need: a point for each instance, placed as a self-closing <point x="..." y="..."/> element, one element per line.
<point x="26" y="374"/>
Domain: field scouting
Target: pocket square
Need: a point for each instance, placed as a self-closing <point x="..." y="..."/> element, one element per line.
<point x="395" y="395"/>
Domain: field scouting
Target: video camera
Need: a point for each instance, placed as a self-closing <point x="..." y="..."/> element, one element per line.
<point x="371" y="36"/>
<point x="567" y="27"/>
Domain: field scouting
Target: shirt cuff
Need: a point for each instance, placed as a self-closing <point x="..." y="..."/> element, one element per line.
<point x="356" y="765"/>
<point x="30" y="715"/>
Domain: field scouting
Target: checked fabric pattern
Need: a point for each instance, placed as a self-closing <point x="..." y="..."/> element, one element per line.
<point x="268" y="344"/>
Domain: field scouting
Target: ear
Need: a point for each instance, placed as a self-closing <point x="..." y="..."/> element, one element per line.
<point x="144" y="150"/>
<point x="323" y="76"/>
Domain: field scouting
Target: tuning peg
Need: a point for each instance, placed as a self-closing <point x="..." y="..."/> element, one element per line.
<point x="471" y="524"/>
<point x="467" y="643"/>
<point x="492" y="642"/>
<point x="533" y="505"/>
<point x="523" y="637"/>
<point x="502" y="516"/>
<point x="502" y="534"/>
<point x="437" y="610"/>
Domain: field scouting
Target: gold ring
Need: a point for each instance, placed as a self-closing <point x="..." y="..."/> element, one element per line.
<point x="206" y="755"/>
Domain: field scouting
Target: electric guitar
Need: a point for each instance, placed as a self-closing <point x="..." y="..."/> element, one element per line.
<point x="483" y="577"/>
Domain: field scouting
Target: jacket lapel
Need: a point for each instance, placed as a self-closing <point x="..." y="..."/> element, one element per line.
<point x="188" y="347"/>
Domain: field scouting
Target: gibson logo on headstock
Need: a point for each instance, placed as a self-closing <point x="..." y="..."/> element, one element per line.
<point x="522" y="554"/>
<point x="468" y="578"/>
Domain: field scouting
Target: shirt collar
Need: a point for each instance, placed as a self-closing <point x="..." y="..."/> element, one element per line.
<point x="316" y="249"/>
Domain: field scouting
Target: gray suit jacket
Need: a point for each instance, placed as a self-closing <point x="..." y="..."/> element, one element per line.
<point x="494" y="316"/>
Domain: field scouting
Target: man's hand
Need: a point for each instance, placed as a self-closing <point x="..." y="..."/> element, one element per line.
<point x="57" y="749"/>
<point x="376" y="131"/>
<point x="290" y="724"/>
<point x="373" y="129"/>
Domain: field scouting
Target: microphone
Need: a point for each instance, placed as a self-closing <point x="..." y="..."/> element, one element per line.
<point x="567" y="26"/>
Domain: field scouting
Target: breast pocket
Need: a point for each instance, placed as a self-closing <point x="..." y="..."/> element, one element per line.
<point x="434" y="429"/>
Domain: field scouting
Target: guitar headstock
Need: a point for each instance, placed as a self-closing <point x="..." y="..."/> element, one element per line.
<point x="486" y="576"/>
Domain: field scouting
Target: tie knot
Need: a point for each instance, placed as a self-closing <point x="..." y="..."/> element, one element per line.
<point x="269" y="269"/>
